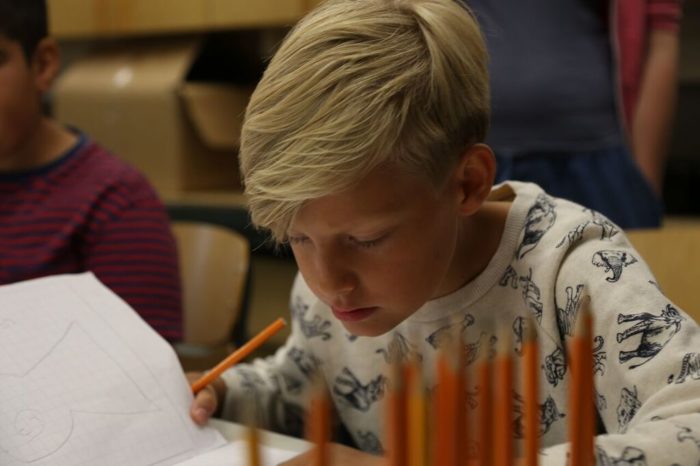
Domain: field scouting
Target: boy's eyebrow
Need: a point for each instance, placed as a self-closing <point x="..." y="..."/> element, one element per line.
<point x="371" y="222"/>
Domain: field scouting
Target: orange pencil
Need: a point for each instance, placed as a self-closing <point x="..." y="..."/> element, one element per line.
<point x="417" y="414"/>
<point x="588" y="401"/>
<point x="252" y="434"/>
<point x="503" y="406"/>
<point x="484" y="409"/>
<point x="253" y="438"/>
<point x="461" y="407"/>
<point x="447" y="412"/>
<point x="396" y="417"/>
<point x="581" y="394"/>
<point x="238" y="355"/>
<point x="319" y="424"/>
<point x="531" y="393"/>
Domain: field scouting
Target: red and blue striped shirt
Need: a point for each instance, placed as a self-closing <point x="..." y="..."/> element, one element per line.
<point x="90" y="211"/>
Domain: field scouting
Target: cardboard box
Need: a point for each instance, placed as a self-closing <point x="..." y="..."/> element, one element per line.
<point x="105" y="18"/>
<point x="136" y="100"/>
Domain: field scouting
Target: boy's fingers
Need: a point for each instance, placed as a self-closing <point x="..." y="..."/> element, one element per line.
<point x="204" y="405"/>
<point x="205" y="402"/>
<point x="208" y="400"/>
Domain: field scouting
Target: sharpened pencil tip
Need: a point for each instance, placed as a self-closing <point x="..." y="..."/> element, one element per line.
<point x="582" y="327"/>
<point x="505" y="341"/>
<point x="530" y="330"/>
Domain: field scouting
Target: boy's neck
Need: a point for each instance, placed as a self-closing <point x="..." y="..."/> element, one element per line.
<point x="479" y="240"/>
<point x="49" y="142"/>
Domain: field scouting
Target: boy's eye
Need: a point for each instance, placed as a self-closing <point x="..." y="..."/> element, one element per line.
<point x="294" y="240"/>
<point x="3" y="57"/>
<point x="366" y="243"/>
<point x="363" y="243"/>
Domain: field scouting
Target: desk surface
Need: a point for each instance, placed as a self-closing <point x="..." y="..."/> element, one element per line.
<point x="232" y="431"/>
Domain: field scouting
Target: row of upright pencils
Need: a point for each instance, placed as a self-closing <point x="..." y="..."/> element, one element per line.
<point x="439" y="429"/>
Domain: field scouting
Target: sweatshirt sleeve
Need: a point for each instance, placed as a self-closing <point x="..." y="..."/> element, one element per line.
<point x="646" y="358"/>
<point x="278" y="384"/>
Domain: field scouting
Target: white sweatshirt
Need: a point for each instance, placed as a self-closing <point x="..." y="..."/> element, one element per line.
<point x="552" y="252"/>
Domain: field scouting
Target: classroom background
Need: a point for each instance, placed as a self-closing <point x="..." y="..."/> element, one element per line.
<point x="164" y="84"/>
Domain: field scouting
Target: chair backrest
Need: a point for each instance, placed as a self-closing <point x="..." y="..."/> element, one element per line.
<point x="214" y="264"/>
<point x="673" y="254"/>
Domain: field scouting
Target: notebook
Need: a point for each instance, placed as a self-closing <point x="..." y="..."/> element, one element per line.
<point x="85" y="381"/>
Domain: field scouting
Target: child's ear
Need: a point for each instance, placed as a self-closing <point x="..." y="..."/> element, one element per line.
<point x="475" y="174"/>
<point x="46" y="62"/>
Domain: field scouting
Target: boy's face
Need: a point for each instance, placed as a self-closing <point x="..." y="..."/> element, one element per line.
<point x="378" y="252"/>
<point x="20" y="105"/>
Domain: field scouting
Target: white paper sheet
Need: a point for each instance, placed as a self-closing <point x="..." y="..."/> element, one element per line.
<point x="84" y="381"/>
<point x="237" y="454"/>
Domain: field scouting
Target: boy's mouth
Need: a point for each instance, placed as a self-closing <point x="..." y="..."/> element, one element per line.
<point x="359" y="313"/>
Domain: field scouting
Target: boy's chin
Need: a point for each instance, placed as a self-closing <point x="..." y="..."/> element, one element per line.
<point x="366" y="329"/>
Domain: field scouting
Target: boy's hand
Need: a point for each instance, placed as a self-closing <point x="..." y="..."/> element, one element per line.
<point x="340" y="455"/>
<point x="208" y="401"/>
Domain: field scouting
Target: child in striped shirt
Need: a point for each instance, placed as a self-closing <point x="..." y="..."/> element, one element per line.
<point x="66" y="204"/>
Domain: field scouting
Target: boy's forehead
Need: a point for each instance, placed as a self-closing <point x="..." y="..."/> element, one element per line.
<point x="385" y="195"/>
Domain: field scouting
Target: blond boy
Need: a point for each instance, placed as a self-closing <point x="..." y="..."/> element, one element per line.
<point x="362" y="148"/>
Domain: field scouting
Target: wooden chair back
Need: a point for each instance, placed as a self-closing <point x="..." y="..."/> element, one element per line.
<point x="673" y="254"/>
<point x="214" y="265"/>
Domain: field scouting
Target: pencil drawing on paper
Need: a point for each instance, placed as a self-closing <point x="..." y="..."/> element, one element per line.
<point x="75" y="381"/>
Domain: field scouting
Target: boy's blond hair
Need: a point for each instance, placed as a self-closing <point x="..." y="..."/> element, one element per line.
<point x="358" y="83"/>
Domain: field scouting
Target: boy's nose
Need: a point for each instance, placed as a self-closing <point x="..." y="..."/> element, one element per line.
<point x="334" y="279"/>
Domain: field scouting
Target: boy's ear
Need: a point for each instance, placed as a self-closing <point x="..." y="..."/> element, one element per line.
<point x="46" y="63"/>
<point x="475" y="174"/>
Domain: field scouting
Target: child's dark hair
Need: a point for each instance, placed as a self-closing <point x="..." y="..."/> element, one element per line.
<point x="24" y="21"/>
